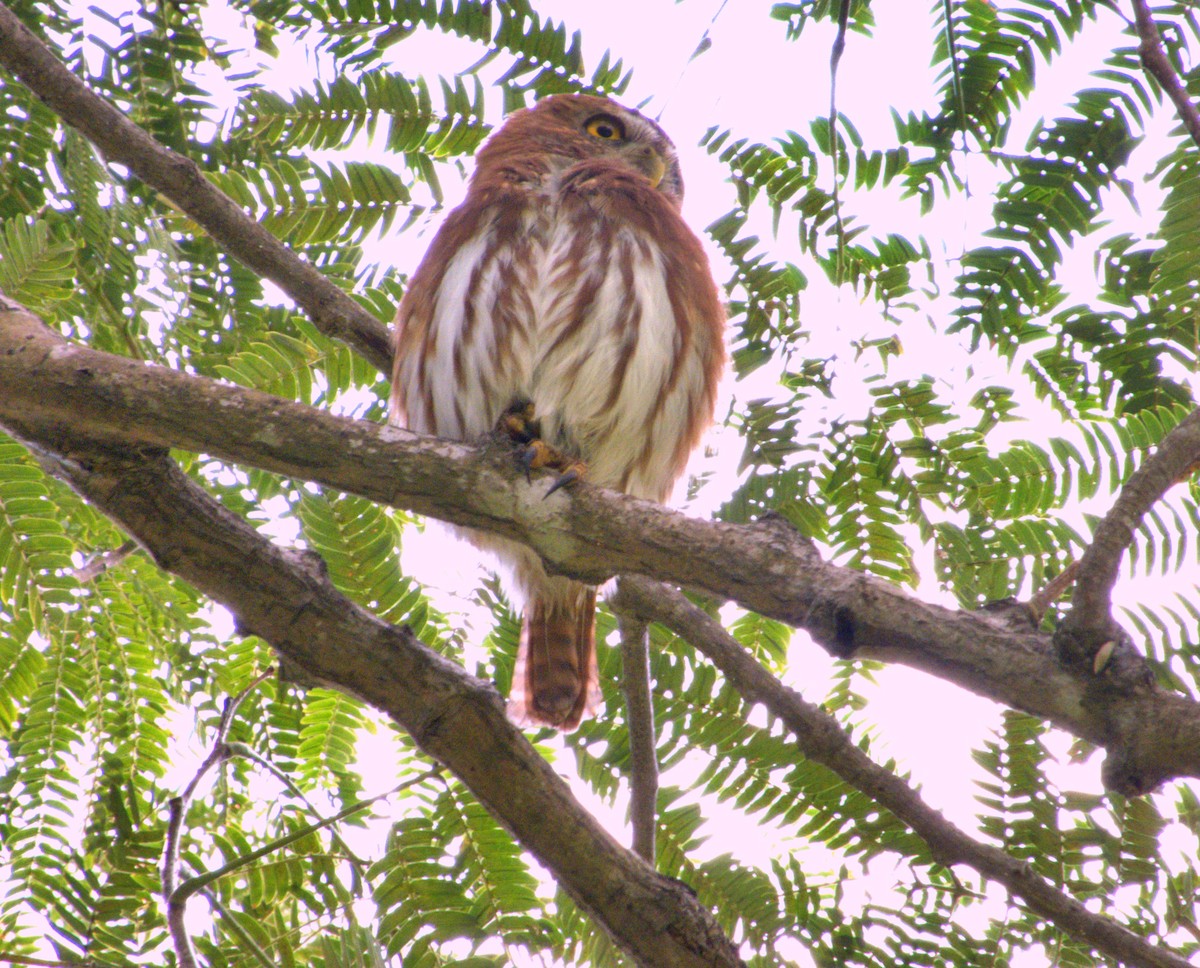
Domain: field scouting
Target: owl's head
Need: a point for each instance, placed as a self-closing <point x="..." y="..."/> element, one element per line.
<point x="574" y="127"/>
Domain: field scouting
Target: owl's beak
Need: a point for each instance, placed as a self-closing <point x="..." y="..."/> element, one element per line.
<point x="655" y="167"/>
<point x="650" y="163"/>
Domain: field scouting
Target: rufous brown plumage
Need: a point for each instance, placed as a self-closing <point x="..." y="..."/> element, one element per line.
<point x="568" y="288"/>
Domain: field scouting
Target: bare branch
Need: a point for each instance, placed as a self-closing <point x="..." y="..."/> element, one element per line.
<point x="181" y="940"/>
<point x="1090" y="619"/>
<point x="286" y="598"/>
<point x="1054" y="590"/>
<point x="98" y="564"/>
<point x="60" y="392"/>
<point x="822" y="740"/>
<point x="1158" y="65"/>
<point x="236" y="928"/>
<point x="182" y="181"/>
<point x="643" y="747"/>
<point x="200" y="882"/>
<point x="359" y="866"/>
<point x="176" y="899"/>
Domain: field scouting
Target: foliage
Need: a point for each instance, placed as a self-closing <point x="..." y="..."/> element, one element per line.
<point x="111" y="687"/>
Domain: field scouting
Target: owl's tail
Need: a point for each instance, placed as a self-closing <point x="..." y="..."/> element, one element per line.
<point x="555" y="681"/>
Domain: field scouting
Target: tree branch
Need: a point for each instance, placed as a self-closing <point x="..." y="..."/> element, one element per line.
<point x="64" y="391"/>
<point x="1091" y="602"/>
<point x="850" y="614"/>
<point x="175" y="897"/>
<point x="822" y="740"/>
<point x="1158" y="65"/>
<point x="643" y="745"/>
<point x="196" y="883"/>
<point x="182" y="181"/>
<point x="835" y="58"/>
<point x="1089" y="627"/>
<point x="285" y="597"/>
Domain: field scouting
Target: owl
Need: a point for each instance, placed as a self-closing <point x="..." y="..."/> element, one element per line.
<point x="566" y="304"/>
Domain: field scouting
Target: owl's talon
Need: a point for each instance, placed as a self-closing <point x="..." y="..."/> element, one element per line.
<point x="518" y="424"/>
<point x="571" y="474"/>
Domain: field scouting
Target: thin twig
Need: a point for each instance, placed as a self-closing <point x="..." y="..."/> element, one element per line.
<point x="1052" y="592"/>
<point x="835" y="58"/>
<point x="98" y="564"/>
<point x="201" y="881"/>
<point x="181" y="180"/>
<point x="643" y="752"/>
<point x="821" y="739"/>
<point x="234" y="927"/>
<point x="245" y="752"/>
<point x="702" y="45"/>
<point x="175" y="899"/>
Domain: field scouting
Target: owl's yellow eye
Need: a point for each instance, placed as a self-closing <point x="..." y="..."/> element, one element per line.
<point x="605" y="127"/>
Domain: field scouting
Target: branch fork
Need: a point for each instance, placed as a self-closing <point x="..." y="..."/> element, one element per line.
<point x="109" y="422"/>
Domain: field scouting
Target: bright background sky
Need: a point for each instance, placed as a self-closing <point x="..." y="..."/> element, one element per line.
<point x="757" y="83"/>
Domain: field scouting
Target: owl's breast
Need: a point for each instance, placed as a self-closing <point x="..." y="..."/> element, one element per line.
<point x="564" y="301"/>
<point x="600" y="343"/>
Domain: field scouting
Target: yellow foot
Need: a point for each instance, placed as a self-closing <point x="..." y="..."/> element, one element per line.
<point x="519" y="425"/>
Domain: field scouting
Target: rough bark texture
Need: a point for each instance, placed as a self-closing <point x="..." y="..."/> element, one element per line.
<point x="104" y="423"/>
<point x="590" y="534"/>
<point x="822" y="740"/>
<point x="285" y="597"/>
<point x="181" y="180"/>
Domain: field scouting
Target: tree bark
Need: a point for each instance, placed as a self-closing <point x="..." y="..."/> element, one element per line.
<point x="66" y="391"/>
<point x="285" y="597"/>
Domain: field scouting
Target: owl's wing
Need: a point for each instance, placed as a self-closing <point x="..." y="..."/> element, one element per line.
<point x="462" y="328"/>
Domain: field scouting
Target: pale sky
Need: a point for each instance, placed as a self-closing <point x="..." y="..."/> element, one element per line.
<point x="757" y="83"/>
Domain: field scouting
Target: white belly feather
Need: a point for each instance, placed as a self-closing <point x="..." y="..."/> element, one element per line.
<point x="563" y="329"/>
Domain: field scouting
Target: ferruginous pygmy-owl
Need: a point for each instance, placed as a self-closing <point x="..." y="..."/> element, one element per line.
<point x="565" y="299"/>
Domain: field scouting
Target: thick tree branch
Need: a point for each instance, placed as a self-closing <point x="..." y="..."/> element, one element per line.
<point x="182" y="181"/>
<point x="839" y="619"/>
<point x="822" y="740"/>
<point x="457" y="719"/>
<point x="590" y="534"/>
<point x="286" y="597"/>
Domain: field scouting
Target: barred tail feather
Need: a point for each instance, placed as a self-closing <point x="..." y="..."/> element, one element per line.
<point x="555" y="681"/>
